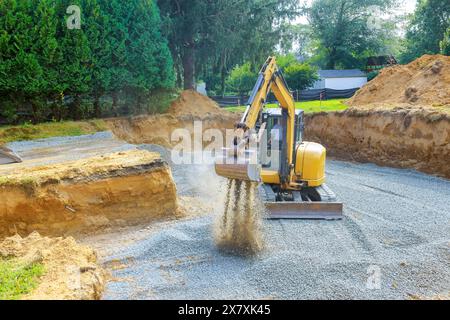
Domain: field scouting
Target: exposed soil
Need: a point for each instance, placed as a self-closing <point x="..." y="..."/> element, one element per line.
<point x="399" y="119"/>
<point x="423" y="82"/>
<point x="87" y="195"/>
<point x="196" y="104"/>
<point x="71" y="270"/>
<point x="157" y="129"/>
<point x="405" y="138"/>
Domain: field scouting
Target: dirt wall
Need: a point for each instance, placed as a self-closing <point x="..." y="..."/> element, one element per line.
<point x="87" y="195"/>
<point x="157" y="129"/>
<point x="405" y="138"/>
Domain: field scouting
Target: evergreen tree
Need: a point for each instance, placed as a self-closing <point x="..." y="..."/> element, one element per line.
<point x="148" y="56"/>
<point x="27" y="51"/>
<point x="97" y="23"/>
<point x="75" y="69"/>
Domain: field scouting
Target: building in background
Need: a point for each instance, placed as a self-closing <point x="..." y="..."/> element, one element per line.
<point x="340" y="79"/>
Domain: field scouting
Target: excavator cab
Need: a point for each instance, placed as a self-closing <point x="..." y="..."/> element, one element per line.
<point x="273" y="116"/>
<point x="272" y="120"/>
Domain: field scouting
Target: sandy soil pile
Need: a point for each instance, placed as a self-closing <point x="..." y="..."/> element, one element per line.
<point x="425" y="82"/>
<point x="87" y="195"/>
<point x="194" y="103"/>
<point x="71" y="270"/>
<point x="158" y="129"/>
<point x="401" y="137"/>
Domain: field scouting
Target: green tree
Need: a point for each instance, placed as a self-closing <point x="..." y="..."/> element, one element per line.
<point x="208" y="38"/>
<point x="347" y="31"/>
<point x="138" y="59"/>
<point x="426" y="28"/>
<point x="242" y="79"/>
<point x="75" y="67"/>
<point x="445" y="43"/>
<point x="96" y="28"/>
<point x="148" y="57"/>
<point x="28" y="53"/>
<point x="300" y="76"/>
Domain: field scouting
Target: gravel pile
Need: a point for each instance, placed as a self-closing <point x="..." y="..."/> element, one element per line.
<point x="394" y="243"/>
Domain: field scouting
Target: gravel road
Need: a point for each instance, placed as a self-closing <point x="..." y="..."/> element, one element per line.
<point x="394" y="243"/>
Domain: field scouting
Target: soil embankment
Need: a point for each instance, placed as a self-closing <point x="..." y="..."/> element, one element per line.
<point x="399" y="119"/>
<point x="423" y="82"/>
<point x="158" y="129"/>
<point x="87" y="194"/>
<point x="403" y="138"/>
<point x="71" y="270"/>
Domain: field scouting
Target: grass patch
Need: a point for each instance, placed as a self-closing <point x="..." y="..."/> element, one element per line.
<point x="50" y="129"/>
<point x="17" y="280"/>
<point x="307" y="106"/>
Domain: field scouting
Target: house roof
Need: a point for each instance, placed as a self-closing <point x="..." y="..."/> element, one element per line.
<point x="352" y="73"/>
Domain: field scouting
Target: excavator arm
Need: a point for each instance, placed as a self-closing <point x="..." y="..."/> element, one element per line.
<point x="271" y="79"/>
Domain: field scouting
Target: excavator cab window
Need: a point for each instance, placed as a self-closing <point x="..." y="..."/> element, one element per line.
<point x="272" y="117"/>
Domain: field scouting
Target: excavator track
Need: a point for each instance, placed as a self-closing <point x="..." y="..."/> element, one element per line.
<point x="313" y="203"/>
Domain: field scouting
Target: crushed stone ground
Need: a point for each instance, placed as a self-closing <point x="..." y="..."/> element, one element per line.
<point x="396" y="220"/>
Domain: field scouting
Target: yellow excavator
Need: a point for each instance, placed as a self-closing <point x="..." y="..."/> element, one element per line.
<point x="292" y="183"/>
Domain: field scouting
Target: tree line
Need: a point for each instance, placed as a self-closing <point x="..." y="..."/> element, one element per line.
<point x="342" y="34"/>
<point x="48" y="69"/>
<point x="126" y="53"/>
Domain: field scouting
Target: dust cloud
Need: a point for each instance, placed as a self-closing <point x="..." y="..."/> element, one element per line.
<point x="238" y="230"/>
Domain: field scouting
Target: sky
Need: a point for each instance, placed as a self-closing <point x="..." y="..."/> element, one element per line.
<point x="406" y="6"/>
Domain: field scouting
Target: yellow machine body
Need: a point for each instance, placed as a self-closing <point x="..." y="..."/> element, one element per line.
<point x="310" y="163"/>
<point x="309" y="166"/>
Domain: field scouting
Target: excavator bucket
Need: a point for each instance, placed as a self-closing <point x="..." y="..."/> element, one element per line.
<point x="240" y="168"/>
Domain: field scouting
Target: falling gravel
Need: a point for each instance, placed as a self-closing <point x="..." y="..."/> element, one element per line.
<point x="238" y="229"/>
<point x="393" y="243"/>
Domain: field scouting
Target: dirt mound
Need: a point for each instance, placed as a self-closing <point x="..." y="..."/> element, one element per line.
<point x="191" y="107"/>
<point x="71" y="270"/>
<point x="87" y="195"/>
<point x="425" y="82"/>
<point x="402" y="137"/>
<point x="194" y="103"/>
